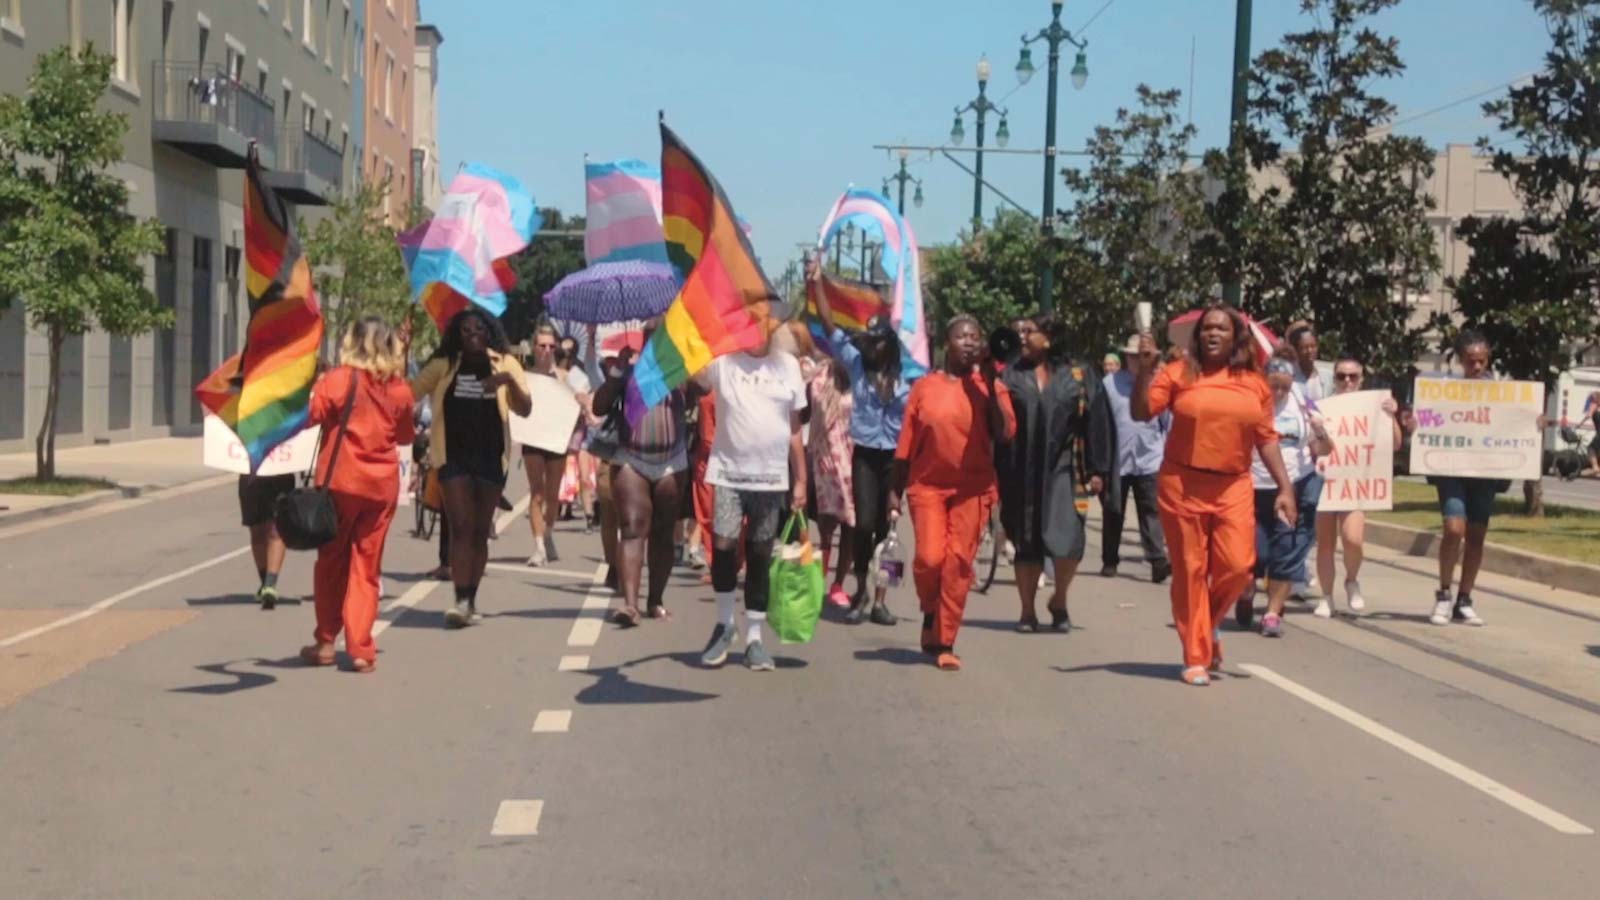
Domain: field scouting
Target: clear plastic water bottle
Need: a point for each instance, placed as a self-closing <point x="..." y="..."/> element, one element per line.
<point x="890" y="565"/>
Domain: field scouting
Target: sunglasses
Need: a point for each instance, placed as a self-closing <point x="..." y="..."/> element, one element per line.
<point x="545" y="346"/>
<point x="1347" y="376"/>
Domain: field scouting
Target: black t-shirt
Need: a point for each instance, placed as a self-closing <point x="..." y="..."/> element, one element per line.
<point x="472" y="416"/>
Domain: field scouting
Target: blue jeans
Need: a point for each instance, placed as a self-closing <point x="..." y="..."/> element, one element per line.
<point x="1281" y="549"/>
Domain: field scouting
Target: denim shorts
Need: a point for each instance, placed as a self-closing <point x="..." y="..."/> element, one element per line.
<point x="1467" y="498"/>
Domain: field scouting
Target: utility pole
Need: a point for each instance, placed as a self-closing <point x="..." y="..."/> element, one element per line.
<point x="1232" y="291"/>
<point x="980" y="107"/>
<point x="1054" y="36"/>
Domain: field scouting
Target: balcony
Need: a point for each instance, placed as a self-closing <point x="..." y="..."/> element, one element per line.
<point x="310" y="170"/>
<point x="201" y="111"/>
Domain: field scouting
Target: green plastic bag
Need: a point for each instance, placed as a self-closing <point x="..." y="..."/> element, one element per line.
<point x="796" y="590"/>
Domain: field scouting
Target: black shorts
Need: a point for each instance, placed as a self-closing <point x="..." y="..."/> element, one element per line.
<point x="479" y="467"/>
<point x="258" y="497"/>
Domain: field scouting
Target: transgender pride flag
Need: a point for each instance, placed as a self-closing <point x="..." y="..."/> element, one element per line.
<point x="459" y="256"/>
<point x="624" y="212"/>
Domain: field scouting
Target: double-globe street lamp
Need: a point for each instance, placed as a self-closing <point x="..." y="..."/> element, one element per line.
<point x="980" y="107"/>
<point x="902" y="177"/>
<point x="1054" y="35"/>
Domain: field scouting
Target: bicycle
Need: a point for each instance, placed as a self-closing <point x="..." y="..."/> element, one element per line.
<point x="425" y="516"/>
<point x="990" y="549"/>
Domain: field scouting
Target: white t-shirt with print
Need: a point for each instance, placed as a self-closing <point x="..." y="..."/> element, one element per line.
<point x="756" y="395"/>
<point x="1293" y="421"/>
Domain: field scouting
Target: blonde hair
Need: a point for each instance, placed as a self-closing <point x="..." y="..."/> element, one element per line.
<point x="372" y="345"/>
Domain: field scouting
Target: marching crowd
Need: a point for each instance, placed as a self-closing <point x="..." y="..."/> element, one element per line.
<point x="1217" y="450"/>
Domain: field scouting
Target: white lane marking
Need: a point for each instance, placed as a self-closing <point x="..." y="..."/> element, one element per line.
<point x="1471" y="777"/>
<point x="586" y="628"/>
<point x="114" y="599"/>
<point x="573" y="664"/>
<point x="400" y="605"/>
<point x="517" y="818"/>
<point x="111" y="506"/>
<point x="552" y="721"/>
<point x="511" y="515"/>
<point x="524" y="570"/>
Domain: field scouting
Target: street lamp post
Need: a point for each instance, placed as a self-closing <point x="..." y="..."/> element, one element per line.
<point x="1232" y="290"/>
<point x="902" y="177"/>
<point x="980" y="107"/>
<point x="1054" y="36"/>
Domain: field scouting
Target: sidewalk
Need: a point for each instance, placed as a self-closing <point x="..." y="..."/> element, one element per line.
<point x="136" y="467"/>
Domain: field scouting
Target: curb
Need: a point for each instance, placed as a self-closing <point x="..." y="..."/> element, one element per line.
<point x="1577" y="577"/>
<point x="86" y="501"/>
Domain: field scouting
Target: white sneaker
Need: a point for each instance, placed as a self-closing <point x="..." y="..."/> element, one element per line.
<point x="1323" y="610"/>
<point x="1010" y="552"/>
<point x="1352" y="595"/>
<point x="538" y="559"/>
<point x="1442" y="607"/>
<point x="1466" y="615"/>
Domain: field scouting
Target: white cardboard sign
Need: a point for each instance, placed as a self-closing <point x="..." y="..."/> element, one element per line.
<point x="548" y="426"/>
<point x="223" y="450"/>
<point x="1360" y="472"/>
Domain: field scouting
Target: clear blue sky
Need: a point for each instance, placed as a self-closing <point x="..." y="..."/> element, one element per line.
<point x="783" y="101"/>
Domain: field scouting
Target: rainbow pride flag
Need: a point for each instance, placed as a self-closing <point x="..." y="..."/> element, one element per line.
<point x="461" y="255"/>
<point x="901" y="262"/>
<point x="263" y="393"/>
<point x="623" y="216"/>
<point x="853" y="303"/>
<point x="726" y="302"/>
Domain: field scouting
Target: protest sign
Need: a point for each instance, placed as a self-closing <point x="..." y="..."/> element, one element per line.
<point x="408" y="468"/>
<point x="1476" y="428"/>
<point x="548" y="426"/>
<point x="222" y="449"/>
<point x="1360" y="472"/>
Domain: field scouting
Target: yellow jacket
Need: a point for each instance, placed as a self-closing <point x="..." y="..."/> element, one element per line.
<point x="434" y="381"/>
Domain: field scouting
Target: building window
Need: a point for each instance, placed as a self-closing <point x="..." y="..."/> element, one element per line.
<point x="235" y="59"/>
<point x="308" y="115"/>
<point x="327" y="33"/>
<point x="405" y="77"/>
<point x="388" y="88"/>
<point x="307" y="31"/>
<point x="261" y="78"/>
<point x="122" y="39"/>
<point x="344" y="54"/>
<point x="11" y="15"/>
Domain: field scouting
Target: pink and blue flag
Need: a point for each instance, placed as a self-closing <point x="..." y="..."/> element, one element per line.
<point x="624" y="212"/>
<point x="460" y="255"/>
<point x="901" y="262"/>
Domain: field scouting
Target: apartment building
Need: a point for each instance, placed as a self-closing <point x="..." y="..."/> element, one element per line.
<point x="427" y="182"/>
<point x="388" y="111"/>
<point x="200" y="81"/>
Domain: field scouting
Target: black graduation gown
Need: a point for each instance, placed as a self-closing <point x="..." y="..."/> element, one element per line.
<point x="1038" y="469"/>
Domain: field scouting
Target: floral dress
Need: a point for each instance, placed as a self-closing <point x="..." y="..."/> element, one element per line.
<point x="830" y="447"/>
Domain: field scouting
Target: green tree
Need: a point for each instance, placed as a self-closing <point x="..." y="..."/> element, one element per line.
<point x="69" y="249"/>
<point x="1335" y="229"/>
<point x="993" y="275"/>
<point x="1531" y="283"/>
<point x="1136" y="226"/>
<point x="555" y="252"/>
<point x="357" y="264"/>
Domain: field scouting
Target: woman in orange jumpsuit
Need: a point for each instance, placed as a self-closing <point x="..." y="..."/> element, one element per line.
<point x="364" y="484"/>
<point x="944" y="465"/>
<point x="1221" y="411"/>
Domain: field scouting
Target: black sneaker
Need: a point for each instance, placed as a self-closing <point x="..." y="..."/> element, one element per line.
<point x="504" y="504"/>
<point x="1160" y="571"/>
<point x="1108" y="571"/>
<point x="550" y="553"/>
<point x="881" y="615"/>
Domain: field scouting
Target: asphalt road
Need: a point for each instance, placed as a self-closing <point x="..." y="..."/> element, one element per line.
<point x="169" y="745"/>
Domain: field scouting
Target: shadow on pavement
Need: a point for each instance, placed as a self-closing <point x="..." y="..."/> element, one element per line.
<point x="613" y="686"/>
<point x="895" y="656"/>
<point x="242" y="681"/>
<point x="241" y="600"/>
<point x="1161" y="671"/>
<point x="1594" y="649"/>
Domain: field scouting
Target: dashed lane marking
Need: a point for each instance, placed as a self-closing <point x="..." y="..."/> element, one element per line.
<point x="525" y="570"/>
<point x="586" y="628"/>
<point x="552" y="721"/>
<point x="398" y="607"/>
<point x="1471" y="777"/>
<point x="573" y="664"/>
<point x="517" y="818"/>
<point x="515" y="512"/>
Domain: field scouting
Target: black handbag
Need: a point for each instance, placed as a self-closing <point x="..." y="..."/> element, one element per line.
<point x="305" y="516"/>
<point x="605" y="439"/>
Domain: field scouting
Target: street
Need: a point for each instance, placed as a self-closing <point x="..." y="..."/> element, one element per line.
<point x="165" y="741"/>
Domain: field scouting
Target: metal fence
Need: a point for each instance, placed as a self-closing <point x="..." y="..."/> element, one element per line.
<point x="306" y="152"/>
<point x="191" y="92"/>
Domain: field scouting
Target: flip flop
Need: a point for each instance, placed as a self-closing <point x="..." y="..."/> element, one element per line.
<point x="626" y="618"/>
<point x="363" y="666"/>
<point x="1195" y="676"/>
<point x="1028" y="626"/>
<point x="1060" y="622"/>
<point x="314" y="655"/>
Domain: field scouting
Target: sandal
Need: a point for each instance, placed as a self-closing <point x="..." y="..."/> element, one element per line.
<point x="949" y="662"/>
<point x="1060" y="622"/>
<point x="1028" y="626"/>
<point x="1196" y="676"/>
<point x="317" y="654"/>
<point x="626" y="618"/>
<point x="363" y="666"/>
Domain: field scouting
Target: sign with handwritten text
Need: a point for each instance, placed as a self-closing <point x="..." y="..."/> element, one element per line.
<point x="221" y="449"/>
<point x="1476" y="428"/>
<point x="1359" y="473"/>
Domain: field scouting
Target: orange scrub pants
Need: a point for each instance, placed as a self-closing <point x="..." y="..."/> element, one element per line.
<point x="1210" y="524"/>
<point x="705" y="504"/>
<point x="948" y="527"/>
<point x="347" y="573"/>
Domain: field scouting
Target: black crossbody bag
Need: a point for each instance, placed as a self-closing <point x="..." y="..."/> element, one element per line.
<point x="305" y="516"/>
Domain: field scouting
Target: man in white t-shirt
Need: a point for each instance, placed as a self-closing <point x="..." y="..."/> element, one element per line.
<point x="760" y="396"/>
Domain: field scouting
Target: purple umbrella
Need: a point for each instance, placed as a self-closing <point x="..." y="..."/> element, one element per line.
<point x="614" y="292"/>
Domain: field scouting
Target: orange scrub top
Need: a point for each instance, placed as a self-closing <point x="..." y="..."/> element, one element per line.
<point x="1217" y="419"/>
<point x="380" y="421"/>
<point x="946" y="438"/>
